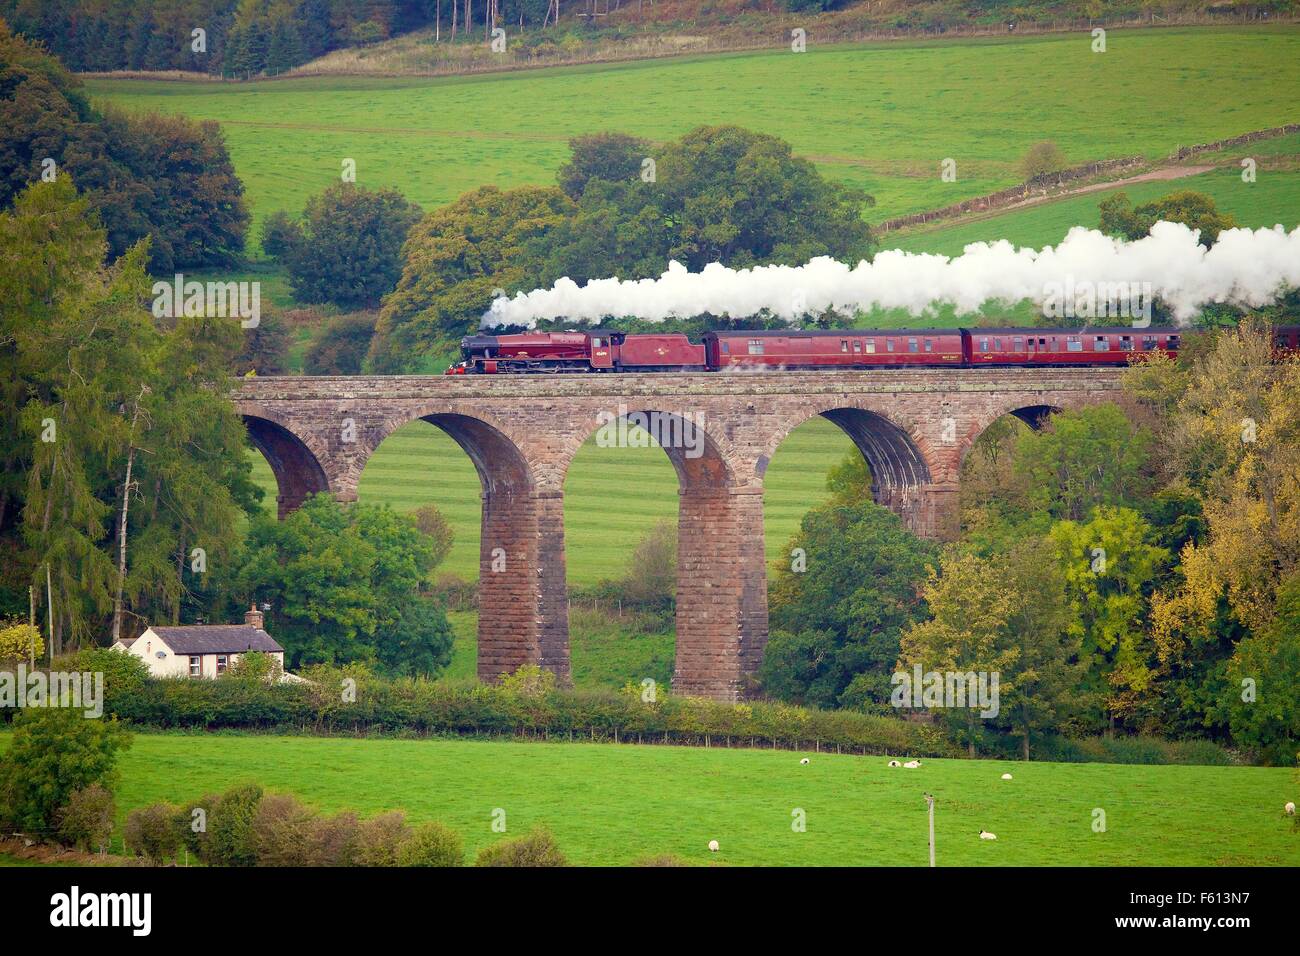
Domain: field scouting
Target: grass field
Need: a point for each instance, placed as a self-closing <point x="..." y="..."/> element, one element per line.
<point x="609" y="804"/>
<point x="879" y="116"/>
<point x="1272" y="199"/>
<point x="612" y="495"/>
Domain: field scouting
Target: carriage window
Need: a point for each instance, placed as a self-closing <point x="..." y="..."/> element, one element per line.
<point x="595" y="343"/>
<point x="997" y="345"/>
<point x="726" y="348"/>
<point x="1148" y="342"/>
<point x="1073" y="343"/>
<point x="911" y="345"/>
<point x="929" y="345"/>
<point x="1173" y="341"/>
<point x="984" y="345"/>
<point x="889" y="345"/>
<point x="1100" y="344"/>
<point x="871" y="346"/>
<point x="844" y="345"/>
<point x="1018" y="344"/>
<point x="1125" y="343"/>
<point x="857" y="346"/>
<point x="755" y="346"/>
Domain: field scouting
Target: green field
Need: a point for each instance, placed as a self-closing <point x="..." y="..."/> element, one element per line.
<point x="880" y="116"/>
<point x="612" y="495"/>
<point x="1272" y="199"/>
<point x="609" y="804"/>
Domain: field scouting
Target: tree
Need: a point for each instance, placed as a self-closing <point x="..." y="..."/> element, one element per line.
<point x="433" y="524"/>
<point x="842" y="615"/>
<point x="86" y="821"/>
<point x="266" y="347"/>
<point x="154" y="832"/>
<point x="343" y="586"/>
<point x="1084" y="458"/>
<point x="1043" y="159"/>
<point x="1193" y="209"/>
<point x="280" y="234"/>
<point x="351" y="244"/>
<point x="20" y="642"/>
<point x="1110" y="568"/>
<point x="55" y="752"/>
<point x="454" y="261"/>
<point x="86" y="360"/>
<point x="612" y="157"/>
<point x="340" y="345"/>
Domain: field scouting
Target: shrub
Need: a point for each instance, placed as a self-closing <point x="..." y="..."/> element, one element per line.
<point x="154" y="832"/>
<point x="282" y="832"/>
<point x="661" y="859"/>
<point x="380" y="838"/>
<point x="435" y="526"/>
<point x="230" y="827"/>
<point x="255" y="667"/>
<point x="54" y="752"/>
<point x="1043" y="159"/>
<point x="280" y="234"/>
<point x="340" y="346"/>
<point x="335" y="840"/>
<point x="431" y="845"/>
<point x="535" y="848"/>
<point x="19" y="642"/>
<point x="86" y="822"/>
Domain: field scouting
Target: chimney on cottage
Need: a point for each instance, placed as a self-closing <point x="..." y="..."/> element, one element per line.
<point x="253" y="617"/>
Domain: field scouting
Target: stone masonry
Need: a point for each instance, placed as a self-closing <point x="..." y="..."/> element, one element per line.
<point x="914" y="427"/>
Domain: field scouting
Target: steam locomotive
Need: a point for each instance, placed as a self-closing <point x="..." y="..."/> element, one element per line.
<point x="602" y="350"/>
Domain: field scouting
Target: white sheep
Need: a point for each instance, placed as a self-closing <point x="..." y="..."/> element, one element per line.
<point x="804" y="761"/>
<point x="894" y="763"/>
<point x="1290" y="809"/>
<point x="912" y="764"/>
<point x="1006" y="776"/>
<point x="713" y="846"/>
<point x="985" y="835"/>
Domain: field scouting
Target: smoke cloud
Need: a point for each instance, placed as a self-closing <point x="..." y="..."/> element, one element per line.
<point x="1247" y="268"/>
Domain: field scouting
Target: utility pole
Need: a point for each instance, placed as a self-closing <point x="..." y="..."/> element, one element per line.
<point x="929" y="800"/>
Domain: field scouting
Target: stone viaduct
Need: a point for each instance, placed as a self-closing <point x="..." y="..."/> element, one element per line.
<point x="913" y="426"/>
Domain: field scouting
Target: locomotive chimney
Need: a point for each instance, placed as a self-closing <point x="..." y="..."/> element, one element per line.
<point x="253" y="617"/>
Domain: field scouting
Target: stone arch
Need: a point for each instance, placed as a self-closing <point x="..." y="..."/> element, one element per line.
<point x="523" y="613"/>
<point x="296" y="466"/>
<point x="721" y="617"/>
<point x="1032" y="413"/>
<point x="897" y="455"/>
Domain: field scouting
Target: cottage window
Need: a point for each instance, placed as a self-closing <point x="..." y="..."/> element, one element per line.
<point x="221" y="663"/>
<point x="196" y="666"/>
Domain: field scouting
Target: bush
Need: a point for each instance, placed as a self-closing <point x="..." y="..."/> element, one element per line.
<point x="231" y="839"/>
<point x="535" y="848"/>
<point x="282" y="832"/>
<point x="19" y="642"/>
<point x="280" y="234"/>
<point x="431" y="845"/>
<point x="86" y="822"/>
<point x="54" y="752"/>
<point x="154" y="832"/>
<point x="380" y="839"/>
<point x="455" y="592"/>
<point x="350" y="251"/>
<point x="662" y="859"/>
<point x="1043" y="159"/>
<point x="340" y="347"/>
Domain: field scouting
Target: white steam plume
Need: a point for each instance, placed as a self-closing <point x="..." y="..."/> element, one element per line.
<point x="1244" y="268"/>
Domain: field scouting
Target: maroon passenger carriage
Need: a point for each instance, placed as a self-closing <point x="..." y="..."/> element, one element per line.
<point x="602" y="350"/>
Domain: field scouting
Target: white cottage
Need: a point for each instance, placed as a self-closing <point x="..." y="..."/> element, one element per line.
<point x="201" y="650"/>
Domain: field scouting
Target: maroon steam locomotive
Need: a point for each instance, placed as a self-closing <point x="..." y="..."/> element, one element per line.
<point x="602" y="350"/>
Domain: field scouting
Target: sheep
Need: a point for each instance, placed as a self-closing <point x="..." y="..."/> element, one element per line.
<point x="912" y="764"/>
<point x="985" y="835"/>
<point x="894" y="763"/>
<point x="1006" y="776"/>
<point x="804" y="762"/>
<point x="713" y="846"/>
<point x="1290" y="809"/>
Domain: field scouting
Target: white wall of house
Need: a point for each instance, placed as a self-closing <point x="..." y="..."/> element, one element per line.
<point x="162" y="661"/>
